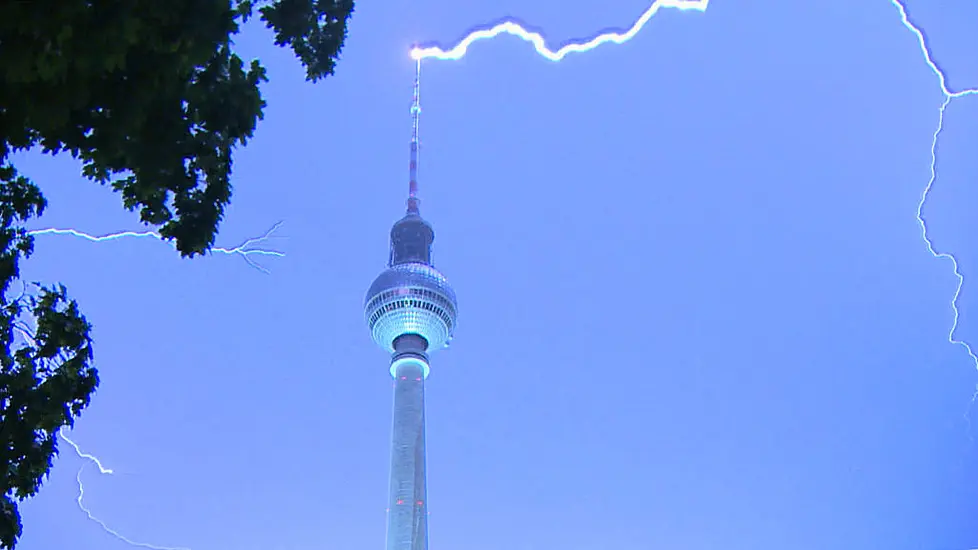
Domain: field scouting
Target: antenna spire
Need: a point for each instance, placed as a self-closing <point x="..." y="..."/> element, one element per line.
<point x="412" y="202"/>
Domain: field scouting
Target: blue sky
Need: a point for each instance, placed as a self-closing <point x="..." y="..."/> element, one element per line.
<point x="695" y="307"/>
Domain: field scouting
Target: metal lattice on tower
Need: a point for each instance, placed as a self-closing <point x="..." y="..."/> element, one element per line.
<point x="411" y="310"/>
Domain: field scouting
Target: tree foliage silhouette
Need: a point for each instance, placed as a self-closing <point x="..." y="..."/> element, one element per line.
<point x="152" y="99"/>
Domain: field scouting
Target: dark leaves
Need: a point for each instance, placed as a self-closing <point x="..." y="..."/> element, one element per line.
<point x="315" y="29"/>
<point x="152" y="99"/>
<point x="150" y="95"/>
<point x="45" y="382"/>
<point x="10" y="524"/>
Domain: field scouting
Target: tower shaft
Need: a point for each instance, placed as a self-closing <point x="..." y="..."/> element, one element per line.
<point x="407" y="520"/>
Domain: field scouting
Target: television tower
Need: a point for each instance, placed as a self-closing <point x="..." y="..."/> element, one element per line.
<point x="411" y="311"/>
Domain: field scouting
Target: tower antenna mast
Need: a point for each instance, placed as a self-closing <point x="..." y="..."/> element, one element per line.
<point x="412" y="204"/>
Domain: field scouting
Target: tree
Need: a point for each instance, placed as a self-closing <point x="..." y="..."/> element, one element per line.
<point x="152" y="99"/>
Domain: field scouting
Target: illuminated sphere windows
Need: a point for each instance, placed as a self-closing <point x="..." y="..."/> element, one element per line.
<point x="411" y="298"/>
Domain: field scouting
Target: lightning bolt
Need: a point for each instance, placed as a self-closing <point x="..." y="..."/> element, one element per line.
<point x="245" y="250"/>
<point x="540" y="45"/>
<point x="92" y="459"/>
<point x="618" y="37"/>
<point x="949" y="96"/>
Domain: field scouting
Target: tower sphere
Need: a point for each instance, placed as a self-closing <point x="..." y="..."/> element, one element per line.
<point x="411" y="298"/>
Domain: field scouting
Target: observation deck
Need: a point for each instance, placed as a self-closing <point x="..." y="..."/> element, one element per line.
<point x="411" y="296"/>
